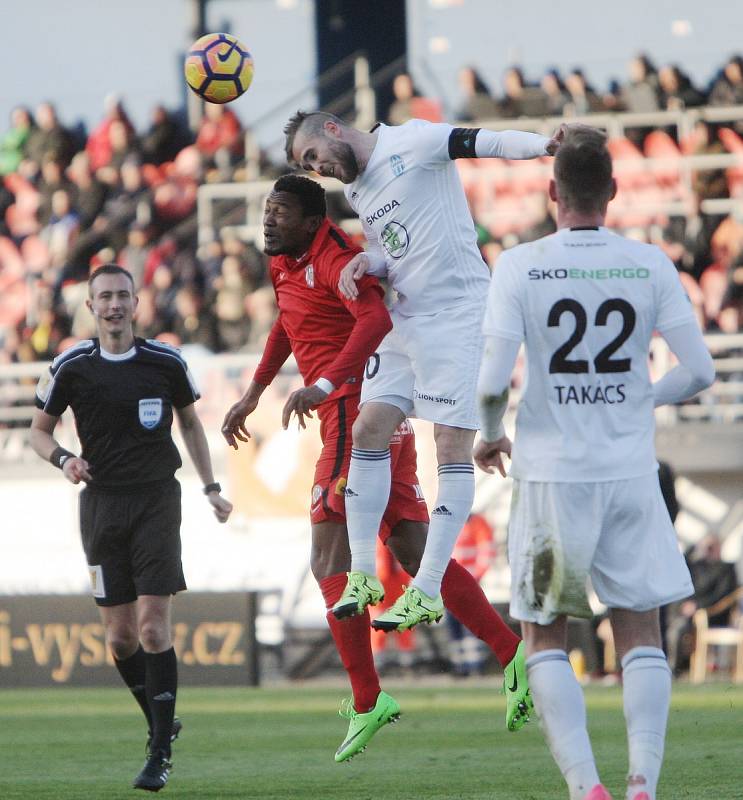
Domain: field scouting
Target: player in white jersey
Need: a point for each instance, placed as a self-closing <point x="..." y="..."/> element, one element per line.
<point x="586" y="497"/>
<point x="404" y="185"/>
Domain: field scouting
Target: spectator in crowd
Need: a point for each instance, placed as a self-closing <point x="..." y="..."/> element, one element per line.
<point x="164" y="138"/>
<point x="709" y="184"/>
<point x="49" y="137"/>
<point x="641" y="93"/>
<point x="728" y="88"/>
<point x="147" y="322"/>
<point x="404" y="92"/>
<point x="611" y="100"/>
<point x="713" y="580"/>
<point x="89" y="193"/>
<point x="677" y="90"/>
<point x="53" y="179"/>
<point x="60" y="231"/>
<point x="192" y="323"/>
<point x="583" y="98"/>
<point x="556" y="95"/>
<point x="520" y="99"/>
<point x="133" y="257"/>
<point x="725" y="246"/>
<point x="129" y="201"/>
<point x="478" y="101"/>
<point x="232" y="288"/>
<point x="123" y="144"/>
<point x="687" y="239"/>
<point x="13" y="143"/>
<point x="220" y="138"/>
<point x="99" y="147"/>
<point x="546" y="224"/>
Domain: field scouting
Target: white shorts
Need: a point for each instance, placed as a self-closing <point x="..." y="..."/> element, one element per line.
<point x="618" y="533"/>
<point x="428" y="366"/>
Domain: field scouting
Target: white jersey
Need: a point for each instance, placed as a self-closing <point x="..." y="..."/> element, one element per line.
<point x="586" y="303"/>
<point x="411" y="203"/>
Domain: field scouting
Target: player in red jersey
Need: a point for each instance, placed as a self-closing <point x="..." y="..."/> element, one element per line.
<point x="332" y="338"/>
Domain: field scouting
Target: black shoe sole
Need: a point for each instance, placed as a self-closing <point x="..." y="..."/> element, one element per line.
<point x="344" y="612"/>
<point x="387" y="627"/>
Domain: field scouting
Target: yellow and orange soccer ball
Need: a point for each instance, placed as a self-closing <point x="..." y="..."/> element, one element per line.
<point x="218" y="68"/>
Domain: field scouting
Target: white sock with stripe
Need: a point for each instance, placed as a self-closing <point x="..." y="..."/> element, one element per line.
<point x="646" y="679"/>
<point x="559" y="702"/>
<point x="367" y="494"/>
<point x="453" y="505"/>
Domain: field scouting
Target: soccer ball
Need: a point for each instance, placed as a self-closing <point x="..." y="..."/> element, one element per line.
<point x="218" y="67"/>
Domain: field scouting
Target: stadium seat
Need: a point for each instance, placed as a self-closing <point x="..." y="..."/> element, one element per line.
<point x="733" y="143"/>
<point x="659" y="145"/>
<point x="706" y="637"/>
<point x="630" y="168"/>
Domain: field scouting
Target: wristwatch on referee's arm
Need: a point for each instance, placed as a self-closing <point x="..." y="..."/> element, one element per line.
<point x="212" y="487"/>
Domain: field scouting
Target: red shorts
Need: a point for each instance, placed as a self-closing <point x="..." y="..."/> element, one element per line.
<point x="331" y="472"/>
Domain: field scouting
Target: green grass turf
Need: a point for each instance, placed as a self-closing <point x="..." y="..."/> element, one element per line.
<point x="276" y="743"/>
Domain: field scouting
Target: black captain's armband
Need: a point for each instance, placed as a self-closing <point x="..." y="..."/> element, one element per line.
<point x="462" y="143"/>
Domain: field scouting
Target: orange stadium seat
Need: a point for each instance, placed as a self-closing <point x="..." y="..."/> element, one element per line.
<point x="733" y="143"/>
<point x="630" y="168"/>
<point x="659" y="145"/>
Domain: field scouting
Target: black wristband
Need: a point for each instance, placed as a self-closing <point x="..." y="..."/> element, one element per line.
<point x="212" y="487"/>
<point x="59" y="456"/>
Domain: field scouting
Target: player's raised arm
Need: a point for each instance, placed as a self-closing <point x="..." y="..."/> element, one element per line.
<point x="440" y="142"/>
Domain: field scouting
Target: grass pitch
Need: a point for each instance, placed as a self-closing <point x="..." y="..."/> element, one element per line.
<point x="275" y="744"/>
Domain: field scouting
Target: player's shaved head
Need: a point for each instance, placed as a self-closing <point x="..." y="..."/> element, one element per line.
<point x="310" y="123"/>
<point x="583" y="170"/>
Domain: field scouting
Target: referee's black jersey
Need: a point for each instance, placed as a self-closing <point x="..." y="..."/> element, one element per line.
<point x="123" y="407"/>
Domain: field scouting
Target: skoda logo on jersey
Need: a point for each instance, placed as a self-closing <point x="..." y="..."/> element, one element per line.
<point x="398" y="165"/>
<point x="395" y="239"/>
<point x="150" y="412"/>
<point x="309" y="276"/>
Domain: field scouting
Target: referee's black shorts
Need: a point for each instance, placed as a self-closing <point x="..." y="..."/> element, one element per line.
<point x="132" y="542"/>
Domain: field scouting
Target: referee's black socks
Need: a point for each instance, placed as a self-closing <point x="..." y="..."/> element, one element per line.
<point x="161" y="684"/>
<point x="133" y="671"/>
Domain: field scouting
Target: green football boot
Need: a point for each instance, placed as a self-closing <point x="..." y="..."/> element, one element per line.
<point x="362" y="727"/>
<point x="411" y="608"/>
<point x="361" y="590"/>
<point x="519" y="704"/>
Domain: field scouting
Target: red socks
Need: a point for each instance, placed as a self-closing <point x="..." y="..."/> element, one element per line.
<point x="464" y="597"/>
<point x="353" y="642"/>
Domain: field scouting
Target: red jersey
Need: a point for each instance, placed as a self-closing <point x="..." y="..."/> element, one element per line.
<point x="316" y="322"/>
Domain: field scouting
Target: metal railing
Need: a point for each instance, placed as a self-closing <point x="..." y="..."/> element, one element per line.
<point x="227" y="374"/>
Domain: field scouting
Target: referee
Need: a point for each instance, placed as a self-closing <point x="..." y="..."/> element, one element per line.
<point x="123" y="392"/>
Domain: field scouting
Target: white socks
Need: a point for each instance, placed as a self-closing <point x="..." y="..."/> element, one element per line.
<point x="647" y="697"/>
<point x="559" y="702"/>
<point x="367" y="494"/>
<point x="453" y="505"/>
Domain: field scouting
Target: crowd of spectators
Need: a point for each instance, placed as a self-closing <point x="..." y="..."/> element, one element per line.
<point x="70" y="201"/>
<point x="707" y="248"/>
